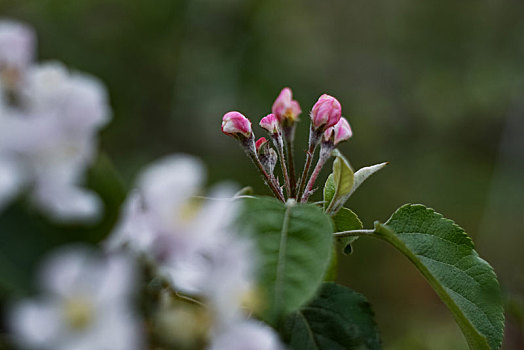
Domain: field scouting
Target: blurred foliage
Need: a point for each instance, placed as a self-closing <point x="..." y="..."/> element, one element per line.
<point x="433" y="87"/>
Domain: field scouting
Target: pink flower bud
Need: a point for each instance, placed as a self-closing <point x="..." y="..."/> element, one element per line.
<point x="338" y="133"/>
<point x="235" y="124"/>
<point x="285" y="108"/>
<point x="270" y="123"/>
<point x="260" y="142"/>
<point x="326" y="112"/>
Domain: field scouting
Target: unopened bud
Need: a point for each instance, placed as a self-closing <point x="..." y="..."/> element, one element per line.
<point x="285" y="109"/>
<point x="260" y="143"/>
<point x="267" y="155"/>
<point x="339" y="132"/>
<point x="236" y="125"/>
<point x="270" y="123"/>
<point x="325" y="113"/>
<point x="271" y="161"/>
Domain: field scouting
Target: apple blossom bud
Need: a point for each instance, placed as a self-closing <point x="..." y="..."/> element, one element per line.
<point x="338" y="133"/>
<point x="284" y="108"/>
<point x="266" y="154"/>
<point x="270" y="123"/>
<point x="260" y="143"/>
<point x="325" y="113"/>
<point x="268" y="157"/>
<point x="236" y="125"/>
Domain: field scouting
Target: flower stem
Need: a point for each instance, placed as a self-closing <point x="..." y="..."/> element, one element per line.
<point x="269" y="180"/>
<point x="249" y="147"/>
<point x="289" y="137"/>
<point x="279" y="144"/>
<point x="325" y="154"/>
<point x="314" y="138"/>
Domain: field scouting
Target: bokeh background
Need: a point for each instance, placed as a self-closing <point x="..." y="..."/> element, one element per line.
<point x="433" y="87"/>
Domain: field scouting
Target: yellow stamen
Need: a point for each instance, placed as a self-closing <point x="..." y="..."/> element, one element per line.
<point x="78" y="313"/>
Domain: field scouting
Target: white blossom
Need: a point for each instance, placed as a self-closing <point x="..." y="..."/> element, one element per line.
<point x="49" y="136"/>
<point x="157" y="206"/>
<point x="190" y="240"/>
<point x="77" y="100"/>
<point x="66" y="110"/>
<point x="17" y="44"/>
<point x="11" y="180"/>
<point x="85" y="305"/>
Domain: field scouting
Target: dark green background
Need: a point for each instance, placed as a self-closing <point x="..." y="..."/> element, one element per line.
<point x="433" y="87"/>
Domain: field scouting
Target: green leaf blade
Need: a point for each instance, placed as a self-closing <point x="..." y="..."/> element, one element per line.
<point x="363" y="174"/>
<point x="343" y="176"/>
<point x="337" y="319"/>
<point x="342" y="183"/>
<point x="338" y="184"/>
<point x="445" y="255"/>
<point x="345" y="220"/>
<point x="294" y="243"/>
<point x="329" y="191"/>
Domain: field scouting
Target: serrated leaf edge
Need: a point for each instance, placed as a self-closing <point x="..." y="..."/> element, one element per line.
<point x="463" y="322"/>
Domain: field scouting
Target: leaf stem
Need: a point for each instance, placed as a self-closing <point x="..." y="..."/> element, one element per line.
<point x="363" y="232"/>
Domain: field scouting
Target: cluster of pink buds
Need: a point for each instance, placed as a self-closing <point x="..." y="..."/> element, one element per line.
<point x="328" y="128"/>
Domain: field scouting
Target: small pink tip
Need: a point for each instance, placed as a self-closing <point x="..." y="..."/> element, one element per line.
<point x="236" y="124"/>
<point x="260" y="142"/>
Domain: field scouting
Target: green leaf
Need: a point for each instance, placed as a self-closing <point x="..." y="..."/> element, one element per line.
<point x="346" y="220"/>
<point x="332" y="270"/>
<point x="339" y="183"/>
<point x="343" y="176"/>
<point x="329" y="191"/>
<point x="337" y="319"/>
<point x="362" y="175"/>
<point x="445" y="255"/>
<point x="294" y="243"/>
<point x="332" y="204"/>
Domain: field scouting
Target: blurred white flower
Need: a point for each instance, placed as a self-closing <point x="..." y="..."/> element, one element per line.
<point x="17" y="45"/>
<point x="10" y="180"/>
<point x="85" y="305"/>
<point x="75" y="99"/>
<point x="247" y="335"/>
<point x="220" y="270"/>
<point x="191" y="241"/>
<point x="159" y="205"/>
<point x="65" y="111"/>
<point x="49" y="122"/>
